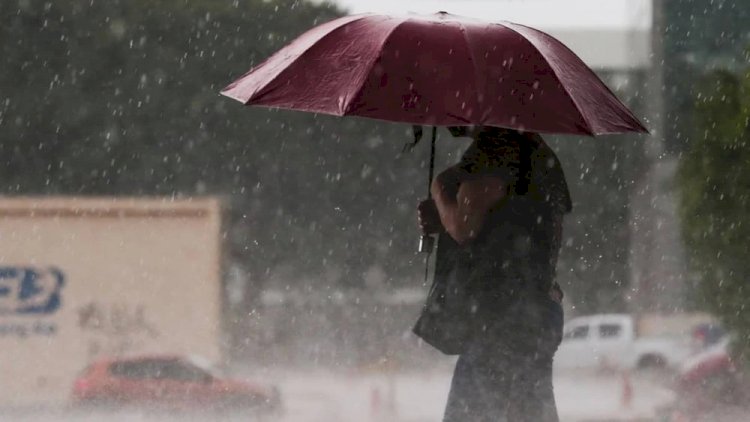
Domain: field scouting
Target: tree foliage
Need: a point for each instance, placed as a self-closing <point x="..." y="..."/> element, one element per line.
<point x="698" y="35"/>
<point x="714" y="181"/>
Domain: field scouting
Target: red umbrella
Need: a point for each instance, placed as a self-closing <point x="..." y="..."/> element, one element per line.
<point x="438" y="70"/>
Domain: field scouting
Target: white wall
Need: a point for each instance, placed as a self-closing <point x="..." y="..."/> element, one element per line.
<point x="114" y="277"/>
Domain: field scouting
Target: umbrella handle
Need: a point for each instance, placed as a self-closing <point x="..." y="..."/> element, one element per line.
<point x="426" y="241"/>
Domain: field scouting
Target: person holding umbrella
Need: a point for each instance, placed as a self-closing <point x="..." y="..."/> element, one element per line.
<point x="502" y="207"/>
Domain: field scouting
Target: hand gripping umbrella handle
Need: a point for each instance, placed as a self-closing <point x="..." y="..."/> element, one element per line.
<point x="426" y="241"/>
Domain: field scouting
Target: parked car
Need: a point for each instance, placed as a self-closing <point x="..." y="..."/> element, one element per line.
<point x="169" y="383"/>
<point x="614" y="341"/>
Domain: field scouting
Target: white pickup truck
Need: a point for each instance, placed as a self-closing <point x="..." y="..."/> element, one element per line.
<point x="622" y="341"/>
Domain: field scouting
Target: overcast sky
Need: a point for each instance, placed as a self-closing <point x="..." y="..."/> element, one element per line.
<point x="558" y="14"/>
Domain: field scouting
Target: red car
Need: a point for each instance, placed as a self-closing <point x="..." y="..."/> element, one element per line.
<point x="168" y="383"/>
<point x="709" y="385"/>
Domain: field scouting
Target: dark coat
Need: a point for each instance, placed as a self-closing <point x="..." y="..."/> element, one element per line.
<point x="498" y="285"/>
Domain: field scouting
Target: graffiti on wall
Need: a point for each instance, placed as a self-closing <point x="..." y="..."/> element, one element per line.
<point x="31" y="297"/>
<point x="115" y="328"/>
<point x="28" y="297"/>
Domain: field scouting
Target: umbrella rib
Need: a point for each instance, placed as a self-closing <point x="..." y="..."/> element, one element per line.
<point x="589" y="127"/>
<point x="477" y="74"/>
<point x="366" y="75"/>
<point x="262" y="90"/>
<point x="634" y="120"/>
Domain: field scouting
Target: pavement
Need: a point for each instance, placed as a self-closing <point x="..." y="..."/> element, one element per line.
<point x="421" y="396"/>
<point x="417" y="396"/>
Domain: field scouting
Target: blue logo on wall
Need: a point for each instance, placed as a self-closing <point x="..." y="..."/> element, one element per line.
<point x="30" y="291"/>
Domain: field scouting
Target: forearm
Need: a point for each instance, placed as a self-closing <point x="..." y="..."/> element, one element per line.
<point x="447" y="207"/>
<point x="445" y="189"/>
<point x="462" y="203"/>
<point x="463" y="226"/>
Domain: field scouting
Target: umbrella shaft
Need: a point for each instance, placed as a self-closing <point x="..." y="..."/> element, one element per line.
<point x="432" y="162"/>
<point x="427" y="242"/>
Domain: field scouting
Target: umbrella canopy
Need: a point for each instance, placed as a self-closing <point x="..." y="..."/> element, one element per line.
<point x="437" y="70"/>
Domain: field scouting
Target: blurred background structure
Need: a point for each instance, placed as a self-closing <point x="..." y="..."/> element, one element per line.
<point x="120" y="98"/>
